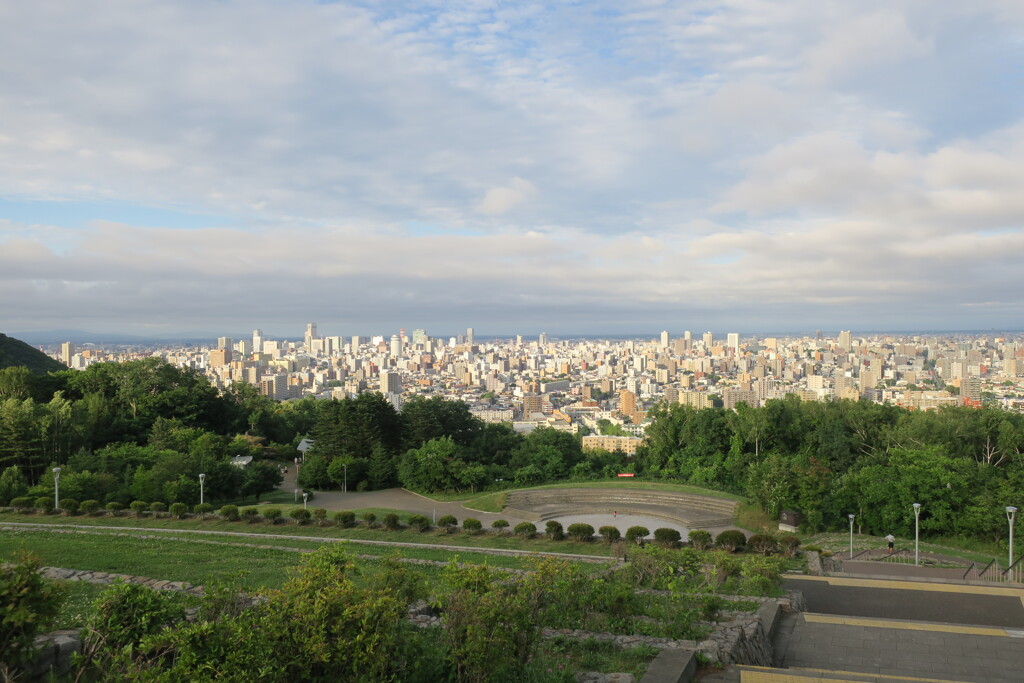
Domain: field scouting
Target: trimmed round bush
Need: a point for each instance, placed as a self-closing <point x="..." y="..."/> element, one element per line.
<point x="419" y="522"/>
<point x="762" y="543"/>
<point x="636" y="534"/>
<point x="789" y="544"/>
<point x="138" y="507"/>
<point x="229" y="512"/>
<point x="114" y="508"/>
<point x="369" y="519"/>
<point x="178" y="510"/>
<point x="203" y="509"/>
<point x="499" y="525"/>
<point x="610" y="534"/>
<point x="158" y="507"/>
<point x="44" y="504"/>
<point x="580" y="532"/>
<point x="472" y="525"/>
<point x="448" y="523"/>
<point x="300" y="515"/>
<point x="249" y="514"/>
<point x="88" y="507"/>
<point x="525" y="529"/>
<point x="320" y="515"/>
<point x="730" y="539"/>
<point x="392" y="522"/>
<point x="667" y="538"/>
<point x="345" y="518"/>
<point x="700" y="539"/>
<point x="69" y="505"/>
<point x="553" y="529"/>
<point x="272" y="515"/>
<point x="25" y="503"/>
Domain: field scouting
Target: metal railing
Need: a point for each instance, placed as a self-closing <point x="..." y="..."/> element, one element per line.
<point x="991" y="572"/>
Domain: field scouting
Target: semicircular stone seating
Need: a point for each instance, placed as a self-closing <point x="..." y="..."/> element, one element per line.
<point x="687" y="509"/>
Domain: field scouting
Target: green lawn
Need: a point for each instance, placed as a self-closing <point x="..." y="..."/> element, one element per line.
<point x="406" y="535"/>
<point x="967" y="549"/>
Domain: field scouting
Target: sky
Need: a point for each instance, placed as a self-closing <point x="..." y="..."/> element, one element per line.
<point x="201" y="167"/>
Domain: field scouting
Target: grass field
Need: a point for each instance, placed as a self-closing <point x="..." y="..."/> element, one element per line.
<point x="462" y="539"/>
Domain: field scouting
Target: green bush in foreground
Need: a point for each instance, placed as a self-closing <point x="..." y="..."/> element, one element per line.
<point x="499" y="525"/>
<point x="300" y="515"/>
<point x="554" y="530"/>
<point x="249" y="514"/>
<point x="272" y="515"/>
<point x="69" y="505"/>
<point x="525" y="529"/>
<point x="346" y="518"/>
<point x="23" y="503"/>
<point x="391" y="521"/>
<point x="202" y="509"/>
<point x="28" y="604"/>
<point x="158" y="507"/>
<point x="229" y="512"/>
<point x="472" y="525"/>
<point x="419" y="522"/>
<point x="580" y="532"/>
<point x="113" y="507"/>
<point x="700" y="539"/>
<point x="138" y="507"/>
<point x="667" y="538"/>
<point x="370" y="519"/>
<point x="178" y="510"/>
<point x="731" y="539"/>
<point x="44" y="504"/>
<point x="448" y="524"/>
<point x="610" y="534"/>
<point x="636" y="534"/>
<point x="90" y="507"/>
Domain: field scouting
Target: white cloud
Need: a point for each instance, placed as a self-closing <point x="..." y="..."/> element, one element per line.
<point x="499" y="200"/>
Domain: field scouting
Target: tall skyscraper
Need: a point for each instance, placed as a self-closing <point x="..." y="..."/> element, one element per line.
<point x="419" y="337"/>
<point x="845" y="340"/>
<point x="664" y="339"/>
<point x="396" y="345"/>
<point x="225" y="342"/>
<point x="733" y="342"/>
<point x="67" y="351"/>
<point x="709" y="340"/>
<point x="257" y="341"/>
<point x="470" y="336"/>
<point x="310" y="334"/>
<point x="543" y="339"/>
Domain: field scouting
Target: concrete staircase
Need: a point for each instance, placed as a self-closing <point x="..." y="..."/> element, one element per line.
<point x="686" y="509"/>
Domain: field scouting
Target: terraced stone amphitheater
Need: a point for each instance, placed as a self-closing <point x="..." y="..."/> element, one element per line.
<point x="686" y="509"/>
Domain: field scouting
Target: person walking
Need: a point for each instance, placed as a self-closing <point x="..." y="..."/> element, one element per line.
<point x="891" y="540"/>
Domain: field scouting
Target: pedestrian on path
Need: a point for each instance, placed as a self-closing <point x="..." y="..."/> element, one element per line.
<point x="891" y="540"/>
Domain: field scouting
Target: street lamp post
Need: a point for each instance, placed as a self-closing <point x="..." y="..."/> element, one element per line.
<point x="56" y="488"/>
<point x="851" y="535"/>
<point x="305" y="497"/>
<point x="296" y="495"/>
<point x="202" y="479"/>
<point x="917" y="531"/>
<point x="344" y="488"/>
<point x="1011" y="512"/>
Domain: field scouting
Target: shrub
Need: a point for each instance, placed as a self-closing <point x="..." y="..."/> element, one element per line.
<point x="391" y="521"/>
<point x="126" y="613"/>
<point x="157" y="507"/>
<point x="554" y="530"/>
<point x="345" y="518"/>
<point x="249" y="514"/>
<point x="272" y="515"/>
<point x="472" y="525"/>
<point x="789" y="543"/>
<point x="44" y="504"/>
<point x="667" y="538"/>
<point x="700" y="539"/>
<point x="24" y="503"/>
<point x="203" y="509"/>
<point x="300" y="515"/>
<point x="636" y="534"/>
<point x="89" y="507"/>
<point x="178" y="510"/>
<point x="812" y="548"/>
<point x="229" y="512"/>
<point x="320" y="515"/>
<point x="499" y="525"/>
<point x="114" y="508"/>
<point x="28" y="604"/>
<point x="762" y="543"/>
<point x="69" y="505"/>
<point x="370" y="519"/>
<point x="419" y="522"/>
<point x="610" y="534"/>
<point x="525" y="529"/>
<point x="580" y="532"/>
<point x="730" y="539"/>
<point x="448" y="523"/>
<point x="138" y="507"/>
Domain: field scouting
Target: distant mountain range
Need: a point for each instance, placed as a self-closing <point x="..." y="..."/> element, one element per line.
<point x="16" y="352"/>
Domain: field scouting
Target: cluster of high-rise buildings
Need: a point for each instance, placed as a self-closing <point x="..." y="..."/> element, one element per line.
<point x="568" y="383"/>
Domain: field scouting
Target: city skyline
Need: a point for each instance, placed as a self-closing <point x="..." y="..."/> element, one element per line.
<point x="191" y="169"/>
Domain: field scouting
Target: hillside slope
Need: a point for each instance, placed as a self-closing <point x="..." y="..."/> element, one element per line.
<point x="16" y="352"/>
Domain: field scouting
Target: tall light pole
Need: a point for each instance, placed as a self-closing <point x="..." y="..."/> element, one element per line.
<point x="202" y="478"/>
<point x="851" y="535"/>
<point x="917" y="531"/>
<point x="1011" y="512"/>
<point x="56" y="488"/>
<point x="305" y="497"/>
<point x="344" y="488"/>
